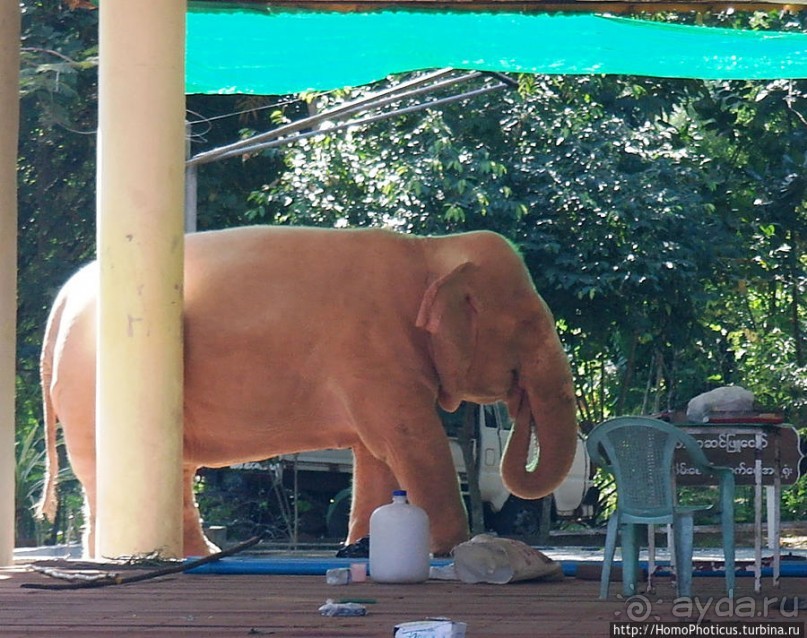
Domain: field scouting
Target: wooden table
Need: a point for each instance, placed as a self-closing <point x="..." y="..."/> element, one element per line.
<point x="759" y="454"/>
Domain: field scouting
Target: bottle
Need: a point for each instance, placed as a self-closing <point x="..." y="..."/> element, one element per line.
<point x="399" y="542"/>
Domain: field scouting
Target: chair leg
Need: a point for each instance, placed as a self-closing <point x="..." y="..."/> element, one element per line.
<point x="684" y="532"/>
<point x="671" y="549"/>
<point x="651" y="557"/>
<point x="630" y="559"/>
<point x="608" y="557"/>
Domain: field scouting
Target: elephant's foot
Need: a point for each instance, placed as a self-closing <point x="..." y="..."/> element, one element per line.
<point x="448" y="530"/>
<point x="194" y="545"/>
<point x="88" y="544"/>
<point x="443" y="544"/>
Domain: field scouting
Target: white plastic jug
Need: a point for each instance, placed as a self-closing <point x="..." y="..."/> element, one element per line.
<point x="399" y="542"/>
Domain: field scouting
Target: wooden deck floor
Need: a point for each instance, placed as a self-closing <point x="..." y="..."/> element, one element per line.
<point x="268" y="605"/>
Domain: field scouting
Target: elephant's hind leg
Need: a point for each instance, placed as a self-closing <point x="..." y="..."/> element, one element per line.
<point x="82" y="461"/>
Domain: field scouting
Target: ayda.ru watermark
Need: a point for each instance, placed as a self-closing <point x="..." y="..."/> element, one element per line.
<point x="640" y="608"/>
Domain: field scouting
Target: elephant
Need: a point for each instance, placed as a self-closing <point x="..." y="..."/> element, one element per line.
<point x="302" y="338"/>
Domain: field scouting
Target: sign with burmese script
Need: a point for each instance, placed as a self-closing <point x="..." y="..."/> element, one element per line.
<point x="735" y="446"/>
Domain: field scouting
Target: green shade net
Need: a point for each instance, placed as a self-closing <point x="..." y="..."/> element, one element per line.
<point x="279" y="52"/>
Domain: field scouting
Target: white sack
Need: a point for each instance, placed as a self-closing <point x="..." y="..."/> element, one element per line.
<point x="489" y="559"/>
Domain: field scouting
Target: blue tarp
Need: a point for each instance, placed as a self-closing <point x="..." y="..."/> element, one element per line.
<point x="275" y="52"/>
<point x="306" y="566"/>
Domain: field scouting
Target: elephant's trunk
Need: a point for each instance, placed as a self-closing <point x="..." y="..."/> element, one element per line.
<point x="544" y="399"/>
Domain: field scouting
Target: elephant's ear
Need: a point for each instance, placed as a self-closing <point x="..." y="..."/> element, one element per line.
<point x="448" y="312"/>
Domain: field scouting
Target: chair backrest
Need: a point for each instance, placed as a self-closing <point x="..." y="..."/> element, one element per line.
<point x="638" y="451"/>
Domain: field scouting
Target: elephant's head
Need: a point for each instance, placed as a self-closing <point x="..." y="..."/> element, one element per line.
<point x="493" y="338"/>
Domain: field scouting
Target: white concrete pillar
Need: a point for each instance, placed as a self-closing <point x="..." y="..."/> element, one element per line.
<point x="141" y="150"/>
<point x="9" y="134"/>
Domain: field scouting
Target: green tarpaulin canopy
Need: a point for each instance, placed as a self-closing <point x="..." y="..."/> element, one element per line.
<point x="277" y="52"/>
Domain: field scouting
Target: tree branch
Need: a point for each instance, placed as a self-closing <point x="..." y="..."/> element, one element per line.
<point x="164" y="571"/>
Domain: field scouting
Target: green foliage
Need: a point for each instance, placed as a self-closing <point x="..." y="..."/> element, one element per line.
<point x="246" y="513"/>
<point x="598" y="180"/>
<point x="759" y="130"/>
<point x="30" y="457"/>
<point x="251" y="503"/>
<point x="414" y="175"/>
<point x="794" y="497"/>
<point x="224" y="187"/>
<point x="56" y="191"/>
<point x="29" y="477"/>
<point x="56" y="162"/>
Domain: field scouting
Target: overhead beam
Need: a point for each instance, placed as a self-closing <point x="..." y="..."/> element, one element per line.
<point x="9" y="135"/>
<point x="141" y="152"/>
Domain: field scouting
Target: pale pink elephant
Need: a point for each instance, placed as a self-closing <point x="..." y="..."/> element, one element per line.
<point x="303" y="338"/>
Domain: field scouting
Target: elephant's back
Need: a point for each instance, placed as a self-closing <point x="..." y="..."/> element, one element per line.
<point x="294" y="248"/>
<point x="300" y="269"/>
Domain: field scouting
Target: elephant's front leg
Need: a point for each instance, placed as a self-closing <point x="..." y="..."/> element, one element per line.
<point x="418" y="453"/>
<point x="373" y="484"/>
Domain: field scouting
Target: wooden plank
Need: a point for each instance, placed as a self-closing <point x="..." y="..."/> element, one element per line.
<point x="212" y="605"/>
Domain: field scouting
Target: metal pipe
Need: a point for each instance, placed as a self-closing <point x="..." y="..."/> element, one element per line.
<point x="191" y="198"/>
<point x="347" y="108"/>
<point x="191" y="181"/>
<point x="367" y="120"/>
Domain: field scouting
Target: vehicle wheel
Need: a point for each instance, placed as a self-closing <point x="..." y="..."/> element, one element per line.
<point x="518" y="517"/>
<point x="338" y="514"/>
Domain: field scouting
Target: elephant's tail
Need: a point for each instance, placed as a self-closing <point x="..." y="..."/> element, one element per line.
<point x="46" y="508"/>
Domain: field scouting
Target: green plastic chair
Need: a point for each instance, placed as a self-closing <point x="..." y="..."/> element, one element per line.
<point x="638" y="452"/>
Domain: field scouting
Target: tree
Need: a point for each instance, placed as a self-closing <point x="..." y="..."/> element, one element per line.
<point x="598" y="188"/>
<point x="760" y="131"/>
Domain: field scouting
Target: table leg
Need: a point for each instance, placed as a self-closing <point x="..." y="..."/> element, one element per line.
<point x="758" y="513"/>
<point x="777" y="515"/>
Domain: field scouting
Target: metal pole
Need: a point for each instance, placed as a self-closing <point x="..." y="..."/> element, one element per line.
<point x="775" y="494"/>
<point x="360" y="122"/>
<point x="758" y="511"/>
<point x="295" y="526"/>
<point x="375" y="100"/>
<point x="191" y="202"/>
<point x="191" y="185"/>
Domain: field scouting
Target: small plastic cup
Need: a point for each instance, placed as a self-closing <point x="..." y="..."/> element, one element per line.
<point x="358" y="572"/>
